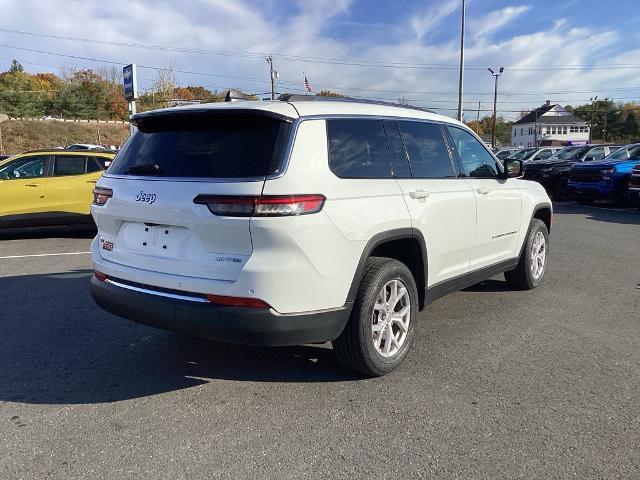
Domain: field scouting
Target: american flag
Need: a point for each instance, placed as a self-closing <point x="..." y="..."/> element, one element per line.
<point x="307" y="85"/>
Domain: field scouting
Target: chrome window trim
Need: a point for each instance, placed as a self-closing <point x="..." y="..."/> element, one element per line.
<point x="155" y="292"/>
<point x="289" y="148"/>
<point x="342" y="116"/>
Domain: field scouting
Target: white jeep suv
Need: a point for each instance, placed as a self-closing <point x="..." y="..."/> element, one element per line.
<point x="308" y="220"/>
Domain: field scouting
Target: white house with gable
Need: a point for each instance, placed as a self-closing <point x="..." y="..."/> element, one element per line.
<point x="549" y="125"/>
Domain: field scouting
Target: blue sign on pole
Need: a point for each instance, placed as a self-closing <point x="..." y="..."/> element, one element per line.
<point x="130" y="82"/>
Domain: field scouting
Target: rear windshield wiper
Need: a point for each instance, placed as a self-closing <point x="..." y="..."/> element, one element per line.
<point x="145" y="169"/>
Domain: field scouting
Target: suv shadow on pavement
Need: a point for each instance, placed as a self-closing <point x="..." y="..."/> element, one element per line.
<point x="80" y="231"/>
<point x="628" y="216"/>
<point x="58" y="347"/>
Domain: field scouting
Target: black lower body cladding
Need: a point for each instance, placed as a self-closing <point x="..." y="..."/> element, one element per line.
<point x="249" y="326"/>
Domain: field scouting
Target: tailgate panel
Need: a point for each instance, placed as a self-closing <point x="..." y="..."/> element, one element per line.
<point x="154" y="225"/>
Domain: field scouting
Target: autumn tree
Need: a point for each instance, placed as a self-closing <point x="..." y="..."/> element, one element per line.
<point x="329" y="93"/>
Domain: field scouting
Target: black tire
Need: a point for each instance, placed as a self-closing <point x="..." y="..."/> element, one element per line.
<point x="355" y="347"/>
<point x="622" y="193"/>
<point x="584" y="201"/>
<point x="561" y="191"/>
<point x="522" y="277"/>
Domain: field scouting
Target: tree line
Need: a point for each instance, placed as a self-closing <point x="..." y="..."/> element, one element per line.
<point x="98" y="95"/>
<point x="88" y="94"/>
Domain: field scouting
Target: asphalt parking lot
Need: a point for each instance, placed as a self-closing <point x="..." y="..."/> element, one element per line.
<point x="500" y="384"/>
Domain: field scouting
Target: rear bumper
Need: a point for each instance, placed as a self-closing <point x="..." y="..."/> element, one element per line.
<point x="249" y="326"/>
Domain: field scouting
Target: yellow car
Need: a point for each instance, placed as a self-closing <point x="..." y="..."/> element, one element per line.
<point x="49" y="187"/>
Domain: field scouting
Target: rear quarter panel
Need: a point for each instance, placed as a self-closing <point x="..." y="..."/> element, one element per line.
<point x="356" y="209"/>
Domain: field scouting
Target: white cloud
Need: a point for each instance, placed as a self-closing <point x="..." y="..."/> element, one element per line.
<point x="426" y="21"/>
<point x="237" y="25"/>
<point x="494" y="21"/>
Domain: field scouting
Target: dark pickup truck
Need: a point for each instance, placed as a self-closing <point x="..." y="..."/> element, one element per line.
<point x="553" y="173"/>
<point x="634" y="185"/>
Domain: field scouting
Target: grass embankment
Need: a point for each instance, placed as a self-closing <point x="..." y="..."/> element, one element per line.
<point x="22" y="135"/>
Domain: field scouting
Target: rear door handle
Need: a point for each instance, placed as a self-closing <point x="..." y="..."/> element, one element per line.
<point x="32" y="185"/>
<point x="419" y="194"/>
<point x="482" y="190"/>
<point x="92" y="181"/>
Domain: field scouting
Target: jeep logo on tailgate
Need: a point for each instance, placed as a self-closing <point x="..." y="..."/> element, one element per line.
<point x="146" y="197"/>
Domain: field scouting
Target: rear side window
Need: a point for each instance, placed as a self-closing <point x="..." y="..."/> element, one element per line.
<point x="596" y="153"/>
<point x="205" y="145"/>
<point x="427" y="150"/>
<point x="543" y="154"/>
<point x="69" y="165"/>
<point x="93" y="165"/>
<point x="358" y="149"/>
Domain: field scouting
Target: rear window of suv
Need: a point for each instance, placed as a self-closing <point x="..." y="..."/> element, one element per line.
<point x="204" y="145"/>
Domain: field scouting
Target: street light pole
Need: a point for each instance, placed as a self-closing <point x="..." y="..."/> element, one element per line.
<point x="272" y="76"/>
<point x="495" y="98"/>
<point x="593" y="107"/>
<point x="461" y="79"/>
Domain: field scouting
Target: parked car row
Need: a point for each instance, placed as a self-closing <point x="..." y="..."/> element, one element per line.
<point x="553" y="173"/>
<point x="586" y="173"/>
<point x="608" y="178"/>
<point x="526" y="154"/>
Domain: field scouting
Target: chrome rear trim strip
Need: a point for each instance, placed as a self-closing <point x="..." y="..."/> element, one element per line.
<point x="154" y="292"/>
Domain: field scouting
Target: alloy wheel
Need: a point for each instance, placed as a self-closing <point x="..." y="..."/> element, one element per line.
<point x="390" y="318"/>
<point x="538" y="255"/>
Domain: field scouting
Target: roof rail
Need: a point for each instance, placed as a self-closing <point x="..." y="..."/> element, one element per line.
<point x="292" y="97"/>
<point x="93" y="150"/>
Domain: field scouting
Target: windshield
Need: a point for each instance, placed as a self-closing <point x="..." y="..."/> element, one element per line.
<point x="571" y="153"/>
<point x="238" y="145"/>
<point x="522" y="153"/>
<point x="502" y="154"/>
<point x="630" y="152"/>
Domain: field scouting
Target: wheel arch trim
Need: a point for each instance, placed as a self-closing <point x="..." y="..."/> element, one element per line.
<point x="386" y="237"/>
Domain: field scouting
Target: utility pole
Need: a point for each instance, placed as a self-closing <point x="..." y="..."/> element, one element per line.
<point x="478" y="120"/>
<point x="593" y="107"/>
<point x="495" y="97"/>
<point x="461" y="79"/>
<point x="272" y="75"/>
<point x="535" y="132"/>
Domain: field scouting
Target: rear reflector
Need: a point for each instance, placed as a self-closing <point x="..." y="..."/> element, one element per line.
<point x="261" y="205"/>
<point x="100" y="276"/>
<point x="237" y="301"/>
<point x="101" y="195"/>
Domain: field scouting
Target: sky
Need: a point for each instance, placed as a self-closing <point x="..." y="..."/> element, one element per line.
<point x="565" y="51"/>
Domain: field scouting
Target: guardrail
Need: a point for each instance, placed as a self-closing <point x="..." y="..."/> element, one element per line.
<point x="67" y="120"/>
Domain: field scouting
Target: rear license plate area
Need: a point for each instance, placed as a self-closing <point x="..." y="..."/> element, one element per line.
<point x="157" y="240"/>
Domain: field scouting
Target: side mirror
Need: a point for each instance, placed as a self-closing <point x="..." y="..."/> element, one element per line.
<point x="513" y="168"/>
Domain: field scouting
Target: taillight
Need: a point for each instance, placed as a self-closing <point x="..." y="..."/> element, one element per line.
<point x="237" y="301"/>
<point x="261" y="205"/>
<point x="101" y="195"/>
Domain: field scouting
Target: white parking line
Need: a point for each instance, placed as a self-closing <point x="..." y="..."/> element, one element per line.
<point x="44" y="255"/>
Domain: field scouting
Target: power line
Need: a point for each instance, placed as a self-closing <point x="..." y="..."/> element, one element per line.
<point x="328" y="86"/>
<point x="149" y="67"/>
<point x="324" y="60"/>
